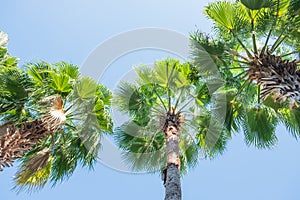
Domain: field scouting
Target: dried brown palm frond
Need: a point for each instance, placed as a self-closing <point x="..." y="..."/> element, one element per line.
<point x="277" y="77"/>
<point x="16" y="141"/>
<point x="34" y="164"/>
<point x="3" y="128"/>
<point x="34" y="171"/>
<point x="38" y="161"/>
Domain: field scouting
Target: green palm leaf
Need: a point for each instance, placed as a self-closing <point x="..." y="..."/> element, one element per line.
<point x="223" y="13"/>
<point x="259" y="127"/>
<point x="211" y="136"/>
<point x="234" y="113"/>
<point x="256" y="4"/>
<point x="143" y="147"/>
<point x="15" y="88"/>
<point x="291" y="120"/>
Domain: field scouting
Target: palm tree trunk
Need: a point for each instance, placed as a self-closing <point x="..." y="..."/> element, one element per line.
<point x="171" y="173"/>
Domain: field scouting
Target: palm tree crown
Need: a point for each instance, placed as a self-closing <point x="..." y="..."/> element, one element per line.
<point x="52" y="120"/>
<point x="255" y="46"/>
<point x="170" y="120"/>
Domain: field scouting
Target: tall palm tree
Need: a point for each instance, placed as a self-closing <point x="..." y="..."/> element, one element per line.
<point x="256" y="47"/>
<point x="169" y="110"/>
<point x="52" y="120"/>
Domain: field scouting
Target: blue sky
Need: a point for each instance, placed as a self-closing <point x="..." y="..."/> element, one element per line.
<point x="69" y="30"/>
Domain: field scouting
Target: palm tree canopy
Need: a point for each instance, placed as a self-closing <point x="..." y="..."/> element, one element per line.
<point x="146" y="101"/>
<point x="255" y="46"/>
<point x="75" y="108"/>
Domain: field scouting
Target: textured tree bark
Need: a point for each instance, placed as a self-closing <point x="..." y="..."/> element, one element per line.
<point x="171" y="173"/>
<point x="16" y="141"/>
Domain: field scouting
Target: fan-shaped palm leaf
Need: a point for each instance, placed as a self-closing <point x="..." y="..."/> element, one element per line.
<point x="259" y="127"/>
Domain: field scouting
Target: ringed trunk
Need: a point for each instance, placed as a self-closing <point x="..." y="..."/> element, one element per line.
<point x="172" y="172"/>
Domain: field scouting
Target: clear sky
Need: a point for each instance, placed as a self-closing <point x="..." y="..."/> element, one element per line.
<point x="69" y="30"/>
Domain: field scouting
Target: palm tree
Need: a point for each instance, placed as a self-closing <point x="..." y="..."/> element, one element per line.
<point x="52" y="120"/>
<point x="256" y="47"/>
<point x="168" y="107"/>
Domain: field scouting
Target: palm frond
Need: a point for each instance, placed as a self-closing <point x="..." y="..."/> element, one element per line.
<point x="144" y="147"/>
<point x="15" y="88"/>
<point x="211" y="135"/>
<point x="294" y="7"/>
<point x="223" y="13"/>
<point x="204" y="43"/>
<point x="234" y="113"/>
<point x="256" y="4"/>
<point x="291" y="120"/>
<point x="34" y="172"/>
<point x="259" y="127"/>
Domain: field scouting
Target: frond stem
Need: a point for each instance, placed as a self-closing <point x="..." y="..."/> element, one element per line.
<point x="177" y="101"/>
<point x="160" y="99"/>
<point x="253" y="37"/>
<point x="290" y="53"/>
<point x="270" y="32"/>
<point x="241" y="43"/>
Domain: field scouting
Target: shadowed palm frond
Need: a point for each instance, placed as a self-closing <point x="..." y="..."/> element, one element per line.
<point x="291" y="120"/>
<point x="256" y="4"/>
<point x="210" y="135"/>
<point x="259" y="127"/>
<point x="15" y="88"/>
<point x="143" y="147"/>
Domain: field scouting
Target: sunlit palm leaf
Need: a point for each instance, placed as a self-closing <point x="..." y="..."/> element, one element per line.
<point x="222" y="13"/>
